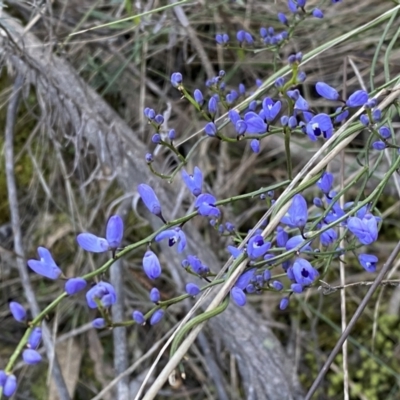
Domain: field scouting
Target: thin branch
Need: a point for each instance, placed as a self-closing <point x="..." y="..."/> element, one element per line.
<point x="17" y="234"/>
<point x="328" y="289"/>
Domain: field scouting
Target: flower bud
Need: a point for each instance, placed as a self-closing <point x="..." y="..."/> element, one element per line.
<point x="156" y="317"/>
<point x="31" y="356"/>
<point x="192" y="289"/>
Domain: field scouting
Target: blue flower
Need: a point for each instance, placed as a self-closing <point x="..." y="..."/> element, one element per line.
<point x="371" y="103"/>
<point x="297" y="214"/>
<point x="379" y="145"/>
<point x="46" y="266"/>
<point x="174" y="235"/>
<point x="156" y="317"/>
<point x="326" y="91"/>
<point x="291" y="59"/>
<point x="155" y="295"/>
<point x="176" y="79"/>
<point x="240" y="127"/>
<point x="292" y="122"/>
<point x="255" y="124"/>
<point x="10" y="385"/>
<point x="34" y="338"/>
<point x="244" y="279"/>
<point x="149" y="113"/>
<point x="282" y="18"/>
<point x="318" y="202"/>
<point x="362" y="212"/>
<point x="284" y="303"/>
<point x="304" y="273"/>
<point x="74" y="285"/>
<point x="334" y="214"/>
<point x="319" y="124"/>
<point x="151" y="265"/>
<point x="257" y="247"/>
<point x="267" y="275"/>
<point x="277" y="285"/>
<point x="255" y="145"/>
<point x="198" y="96"/>
<point x="301" y="104"/>
<point x="149" y="158"/>
<point x="138" y="317"/>
<point x="18" y="311"/>
<point x="159" y="119"/>
<point x="242" y="36"/>
<point x="292" y="6"/>
<point x="156" y="138"/>
<point x="296" y="288"/>
<point x="279" y="82"/>
<point x="222" y="38"/>
<point x="99" y="323"/>
<point x="377" y="115"/>
<point x="296" y="241"/>
<point x="357" y="99"/>
<point x="192" y="289"/>
<point x="281" y="237"/>
<point x="150" y="199"/>
<point x="114" y="231"/>
<point x="234" y="116"/>
<point x="197" y="266"/>
<point x="31" y="357"/>
<point x="328" y="237"/>
<point x="368" y="262"/>
<point x="3" y="378"/>
<point x="171" y="134"/>
<point x="384" y="132"/>
<point x="193" y="182"/>
<point x="342" y="116"/>
<point x="235" y="252"/>
<point x="317" y="13"/>
<point x="366" y="229"/>
<point x="205" y="204"/>
<point x="103" y="292"/>
<point x="238" y="296"/>
<point x="210" y="129"/>
<point x="212" y="105"/>
<point x="364" y="119"/>
<point x="301" y="77"/>
<point x="232" y="96"/>
<point x="271" y="109"/>
<point x="325" y="182"/>
<point x="96" y="244"/>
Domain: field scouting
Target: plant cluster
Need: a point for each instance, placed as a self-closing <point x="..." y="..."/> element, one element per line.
<point x="289" y="258"/>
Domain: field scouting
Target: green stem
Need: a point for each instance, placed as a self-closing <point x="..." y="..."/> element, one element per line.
<point x="288" y="154"/>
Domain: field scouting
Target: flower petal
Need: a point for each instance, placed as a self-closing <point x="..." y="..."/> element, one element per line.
<point x="92" y="243"/>
<point x="115" y="231"/>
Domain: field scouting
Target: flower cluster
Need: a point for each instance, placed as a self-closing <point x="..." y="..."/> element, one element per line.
<point x="294" y="245"/>
<point x="30" y="355"/>
<point x="263" y="118"/>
